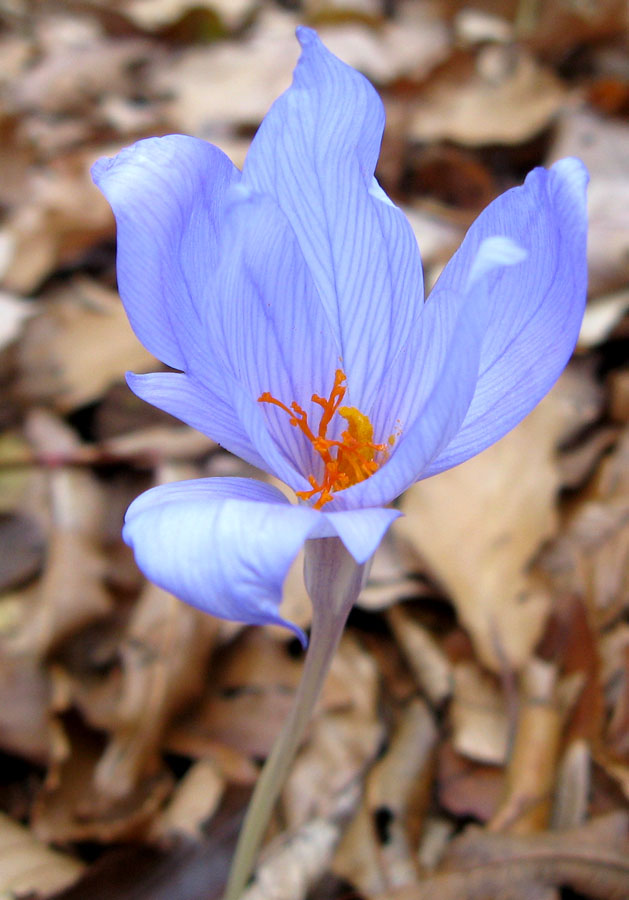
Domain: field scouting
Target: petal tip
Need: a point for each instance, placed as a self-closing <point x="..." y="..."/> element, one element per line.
<point x="307" y="37"/>
<point x="572" y="170"/>
<point x="299" y="633"/>
<point x="571" y="179"/>
<point x="99" y="169"/>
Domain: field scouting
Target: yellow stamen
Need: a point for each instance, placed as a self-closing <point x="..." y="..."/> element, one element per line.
<point x="346" y="462"/>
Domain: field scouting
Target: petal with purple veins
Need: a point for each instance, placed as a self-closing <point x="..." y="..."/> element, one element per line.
<point x="223" y="545"/>
<point x="535" y="310"/>
<point x="167" y="195"/>
<point x="315" y="154"/>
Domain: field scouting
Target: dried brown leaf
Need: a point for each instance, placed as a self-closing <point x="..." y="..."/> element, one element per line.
<point x="244" y="76"/>
<point x="164" y="656"/>
<point x="194" y="801"/>
<point x="71" y="593"/>
<point x="591" y="860"/>
<point x="62" y="215"/>
<point x="426" y="659"/>
<point x="501" y="97"/>
<point x="589" y="559"/>
<point x="71" y="806"/>
<point x="79" y="66"/>
<point x="291" y="866"/>
<point x="26" y="727"/>
<point x="479" y="715"/>
<point x="377" y="849"/>
<point x="619" y="396"/>
<point x="478" y="527"/>
<point x="29" y="867"/>
<point x="409" y="45"/>
<point x="78" y="346"/>
<point x="526" y="805"/>
<point x="468" y="788"/>
<point x="249" y="694"/>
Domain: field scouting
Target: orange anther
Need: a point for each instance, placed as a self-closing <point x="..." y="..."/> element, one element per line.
<point x="354" y="460"/>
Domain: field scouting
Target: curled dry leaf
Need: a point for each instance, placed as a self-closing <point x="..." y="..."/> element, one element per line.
<point x="377" y="850"/>
<point x="435" y="837"/>
<point x="474" y="26"/>
<point x="22" y="551"/>
<point x="530" y="778"/>
<point x="71" y="807"/>
<point x="164" y="655"/>
<point x="320" y="9"/>
<point x="71" y="593"/>
<point x="479" y="715"/>
<point x="69" y="596"/>
<point x="425" y="658"/>
<point x="26" y="725"/>
<point x="28" y="867"/>
<point x="619" y="396"/>
<point x="388" y="578"/>
<point x="249" y="693"/>
<point x="615" y="675"/>
<point x="325" y="779"/>
<point x="194" y="801"/>
<point x="407" y="46"/>
<point x="590" y="558"/>
<point x="591" y="860"/>
<point x="177" y="443"/>
<point x="468" y="788"/>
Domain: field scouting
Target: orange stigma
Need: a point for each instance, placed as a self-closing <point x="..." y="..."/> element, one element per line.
<point x="346" y="462"/>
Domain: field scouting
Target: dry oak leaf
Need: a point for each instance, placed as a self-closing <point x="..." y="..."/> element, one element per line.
<point x="478" y="526"/>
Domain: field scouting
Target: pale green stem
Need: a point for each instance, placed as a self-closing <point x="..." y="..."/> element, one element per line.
<point x="333" y="580"/>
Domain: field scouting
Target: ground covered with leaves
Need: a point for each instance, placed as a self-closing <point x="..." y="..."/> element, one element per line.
<point x="472" y="740"/>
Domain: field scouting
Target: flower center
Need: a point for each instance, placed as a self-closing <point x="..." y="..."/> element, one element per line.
<point x="346" y="462"/>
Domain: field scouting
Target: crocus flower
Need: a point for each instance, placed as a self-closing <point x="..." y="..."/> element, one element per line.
<point x="289" y="297"/>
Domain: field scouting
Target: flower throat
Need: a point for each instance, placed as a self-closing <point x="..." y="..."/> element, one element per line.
<point x="346" y="462"/>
